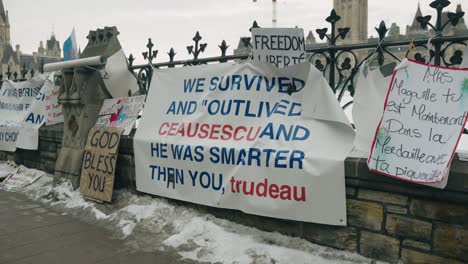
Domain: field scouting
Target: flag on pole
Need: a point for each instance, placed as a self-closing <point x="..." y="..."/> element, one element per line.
<point x="69" y="48"/>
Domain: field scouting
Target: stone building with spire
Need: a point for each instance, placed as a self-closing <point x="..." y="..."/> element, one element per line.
<point x="13" y="60"/>
<point x="354" y="14"/>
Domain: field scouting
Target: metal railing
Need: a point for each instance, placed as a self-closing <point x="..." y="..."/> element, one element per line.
<point x="23" y="75"/>
<point x="339" y="63"/>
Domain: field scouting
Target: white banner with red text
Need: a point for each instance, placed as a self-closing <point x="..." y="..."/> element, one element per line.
<point x="248" y="136"/>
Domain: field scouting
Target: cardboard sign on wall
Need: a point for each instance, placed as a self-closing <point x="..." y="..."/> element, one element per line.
<point x="99" y="163"/>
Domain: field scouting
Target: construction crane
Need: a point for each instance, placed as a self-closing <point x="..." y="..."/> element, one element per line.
<point x="274" y="13"/>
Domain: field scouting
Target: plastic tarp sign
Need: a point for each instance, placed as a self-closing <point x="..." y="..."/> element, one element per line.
<point x="230" y="136"/>
<point x="423" y="120"/>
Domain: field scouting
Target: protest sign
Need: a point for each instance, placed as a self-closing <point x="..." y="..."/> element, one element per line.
<point x="7" y="168"/>
<point x="121" y="112"/>
<point x="37" y="114"/>
<point x="425" y="113"/>
<point x="15" y="100"/>
<point x="281" y="47"/>
<point x="24" y="108"/>
<point x="99" y="163"/>
<point x="230" y="136"/>
<point x="22" y="177"/>
<point x="53" y="108"/>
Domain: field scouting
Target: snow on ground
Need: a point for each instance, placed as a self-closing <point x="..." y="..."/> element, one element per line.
<point x="148" y="223"/>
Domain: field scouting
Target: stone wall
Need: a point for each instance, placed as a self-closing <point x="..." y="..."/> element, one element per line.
<point x="388" y="219"/>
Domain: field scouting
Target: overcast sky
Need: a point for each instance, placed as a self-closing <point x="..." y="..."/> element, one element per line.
<point x="173" y="23"/>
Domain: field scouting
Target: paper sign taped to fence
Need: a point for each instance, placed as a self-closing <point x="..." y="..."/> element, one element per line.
<point x="229" y="135"/>
<point x="425" y="113"/>
<point x="121" y="112"/>
<point x="281" y="47"/>
<point x="53" y="108"/>
<point x="99" y="163"/>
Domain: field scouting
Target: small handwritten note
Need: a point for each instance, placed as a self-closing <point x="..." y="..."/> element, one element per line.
<point x="282" y="47"/>
<point x="425" y="113"/>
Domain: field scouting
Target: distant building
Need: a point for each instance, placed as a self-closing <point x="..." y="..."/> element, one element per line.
<point x="15" y="59"/>
<point x="354" y="14"/>
<point x="415" y="32"/>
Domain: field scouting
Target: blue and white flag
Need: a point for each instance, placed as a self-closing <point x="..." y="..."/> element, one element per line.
<point x="69" y="48"/>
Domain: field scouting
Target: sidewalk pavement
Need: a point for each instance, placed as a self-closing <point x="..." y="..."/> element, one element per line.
<point x="30" y="233"/>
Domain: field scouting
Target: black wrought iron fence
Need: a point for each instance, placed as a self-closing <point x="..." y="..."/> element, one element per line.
<point x="339" y="63"/>
<point x="22" y="75"/>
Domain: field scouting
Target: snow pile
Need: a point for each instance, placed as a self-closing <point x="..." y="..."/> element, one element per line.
<point x="147" y="223"/>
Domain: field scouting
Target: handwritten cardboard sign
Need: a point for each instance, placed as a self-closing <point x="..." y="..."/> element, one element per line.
<point x="99" y="163"/>
<point x="424" y="116"/>
<point x="281" y="47"/>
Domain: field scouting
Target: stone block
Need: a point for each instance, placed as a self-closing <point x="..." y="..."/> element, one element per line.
<point x="408" y="227"/>
<point x="48" y="155"/>
<point x="126" y="145"/>
<point x="50" y="146"/>
<point x="378" y="246"/>
<point x="11" y="156"/>
<point x="451" y="241"/>
<point x="125" y="177"/>
<point x="351" y="167"/>
<point x="269" y="224"/>
<point x="396" y="209"/>
<point x="415" y="257"/>
<point x="338" y="237"/>
<point x="350" y="191"/>
<point x="444" y="212"/>
<point x="416" y="244"/>
<point x="47" y="166"/>
<point x="125" y="160"/>
<point x="30" y="164"/>
<point x="384" y="197"/>
<point x="364" y="214"/>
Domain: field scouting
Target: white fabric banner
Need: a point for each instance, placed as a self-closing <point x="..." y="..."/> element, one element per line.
<point x="24" y="108"/>
<point x="15" y="100"/>
<point x="229" y="135"/>
<point x="368" y="106"/>
<point x="121" y="112"/>
<point x="120" y="82"/>
<point x="36" y="116"/>
<point x="281" y="47"/>
<point x="425" y="112"/>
